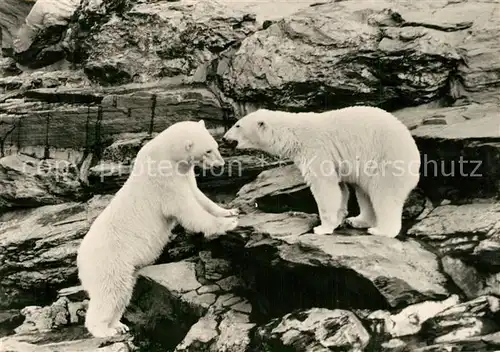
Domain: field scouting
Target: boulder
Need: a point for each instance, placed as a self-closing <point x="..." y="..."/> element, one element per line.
<point x="12" y="15"/>
<point x="459" y="147"/>
<point x="287" y="266"/>
<point x="38" y="250"/>
<point x="162" y="39"/>
<point x="181" y="306"/>
<point x="466" y="237"/>
<point x="9" y="320"/>
<point x="409" y="320"/>
<point x="58" y="327"/>
<point x="311" y="330"/>
<point x="490" y="342"/>
<point x="374" y="53"/>
<point x="37" y="43"/>
<point x="26" y="182"/>
<point x="459" y="229"/>
<point x="469" y="319"/>
<point x="74" y="121"/>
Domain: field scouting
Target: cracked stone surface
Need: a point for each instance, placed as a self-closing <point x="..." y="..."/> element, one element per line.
<point x="38" y="249"/>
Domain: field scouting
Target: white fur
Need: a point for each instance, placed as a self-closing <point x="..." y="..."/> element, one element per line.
<point x="325" y="146"/>
<point x="133" y="229"/>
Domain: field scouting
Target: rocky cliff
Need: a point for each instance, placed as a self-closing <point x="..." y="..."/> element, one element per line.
<point x="88" y="83"/>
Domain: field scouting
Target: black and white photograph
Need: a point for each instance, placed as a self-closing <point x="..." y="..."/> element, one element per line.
<point x="250" y="176"/>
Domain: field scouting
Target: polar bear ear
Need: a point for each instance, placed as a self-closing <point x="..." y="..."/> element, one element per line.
<point x="201" y="122"/>
<point x="189" y="144"/>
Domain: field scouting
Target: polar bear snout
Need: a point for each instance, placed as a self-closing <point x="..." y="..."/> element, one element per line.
<point x="230" y="143"/>
<point x="213" y="159"/>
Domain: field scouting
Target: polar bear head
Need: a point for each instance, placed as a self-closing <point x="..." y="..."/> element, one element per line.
<point x="186" y="142"/>
<point x="264" y="130"/>
<point x="252" y="131"/>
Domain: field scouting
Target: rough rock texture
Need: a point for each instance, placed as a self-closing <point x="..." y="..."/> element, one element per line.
<point x="350" y="264"/>
<point x="467" y="238"/>
<point x="163" y="39"/>
<point x="58" y="328"/>
<point x="12" y="15"/>
<point x="98" y="116"/>
<point x="38" y="249"/>
<point x="340" y="53"/>
<point x="469" y="319"/>
<point x="409" y="320"/>
<point x="170" y="299"/>
<point x="29" y="182"/>
<point x="313" y="330"/>
<point x="37" y="43"/>
<point x="460" y="148"/>
<point x="69" y="133"/>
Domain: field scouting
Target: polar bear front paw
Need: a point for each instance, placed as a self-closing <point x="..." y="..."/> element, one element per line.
<point x="377" y="232"/>
<point x="357" y="222"/>
<point x="121" y="328"/>
<point x="105" y="331"/>
<point x="231" y="212"/>
<point x="323" y="230"/>
<point x="228" y="224"/>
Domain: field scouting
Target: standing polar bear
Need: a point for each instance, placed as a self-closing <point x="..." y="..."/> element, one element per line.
<point x="133" y="229"/>
<point x="366" y="147"/>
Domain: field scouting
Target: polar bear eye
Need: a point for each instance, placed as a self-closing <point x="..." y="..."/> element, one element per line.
<point x="237" y="126"/>
<point x="208" y="151"/>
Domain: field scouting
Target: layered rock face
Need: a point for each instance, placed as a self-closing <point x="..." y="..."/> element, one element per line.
<point x="89" y="82"/>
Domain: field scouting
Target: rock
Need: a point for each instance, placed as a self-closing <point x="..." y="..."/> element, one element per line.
<point x="460" y="156"/>
<point x="176" y="304"/>
<point x="459" y="229"/>
<point x="363" y="58"/>
<point x="196" y="30"/>
<point x="473" y="281"/>
<point x="214" y="268"/>
<point x="38" y="250"/>
<point x="315" y="329"/>
<point x="19" y="84"/>
<point x="284" y="264"/>
<point x="226" y="333"/>
<point x="469" y="319"/>
<point x="8" y="67"/>
<point x="410" y="319"/>
<point x="489" y="342"/>
<point x="457" y="233"/>
<point x="98" y="118"/>
<point x="10" y="344"/>
<point x="28" y="182"/>
<point x="58" y="328"/>
<point x="74" y="293"/>
<point x="9" y="320"/>
<point x="12" y="15"/>
<point x="270" y="10"/>
<point x="37" y="44"/>
<point x="44" y="319"/>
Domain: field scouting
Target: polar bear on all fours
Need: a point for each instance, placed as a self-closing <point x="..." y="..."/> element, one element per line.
<point x="366" y="147"/>
<point x="133" y="229"/>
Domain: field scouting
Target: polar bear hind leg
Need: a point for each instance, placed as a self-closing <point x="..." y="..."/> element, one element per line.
<point x="388" y="196"/>
<point x="108" y="301"/>
<point x="328" y="195"/>
<point x="366" y="217"/>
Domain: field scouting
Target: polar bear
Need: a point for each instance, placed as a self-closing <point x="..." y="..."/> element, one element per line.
<point x="133" y="229"/>
<point x="364" y="146"/>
